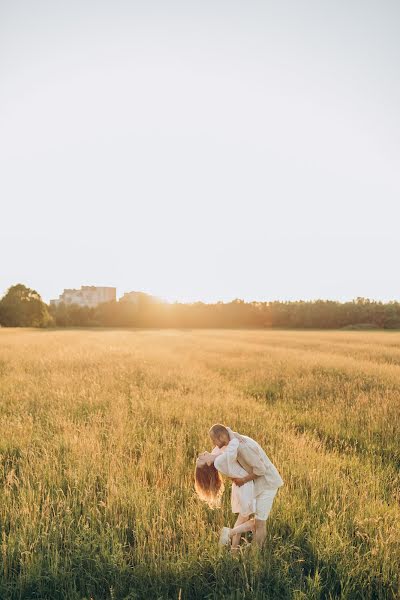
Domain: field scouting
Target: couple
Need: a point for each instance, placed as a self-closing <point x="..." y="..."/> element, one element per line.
<point x="255" y="481"/>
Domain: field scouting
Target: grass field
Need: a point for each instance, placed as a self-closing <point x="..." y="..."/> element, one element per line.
<point x="99" y="434"/>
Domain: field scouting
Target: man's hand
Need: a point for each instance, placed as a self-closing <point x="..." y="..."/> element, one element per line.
<point x="239" y="480"/>
<point x="242" y="480"/>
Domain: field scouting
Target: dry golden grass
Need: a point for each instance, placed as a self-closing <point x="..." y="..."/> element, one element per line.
<point x="99" y="434"/>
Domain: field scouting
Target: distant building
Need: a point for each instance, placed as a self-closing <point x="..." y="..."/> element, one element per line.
<point x="88" y="295"/>
<point x="137" y="297"/>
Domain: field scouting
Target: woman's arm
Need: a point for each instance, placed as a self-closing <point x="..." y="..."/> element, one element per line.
<point x="217" y="451"/>
<point x="231" y="451"/>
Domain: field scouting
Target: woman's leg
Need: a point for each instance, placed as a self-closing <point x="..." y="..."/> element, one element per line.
<point x="243" y="524"/>
<point x="235" y="537"/>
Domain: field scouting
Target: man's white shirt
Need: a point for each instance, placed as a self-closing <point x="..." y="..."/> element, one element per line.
<point x="253" y="459"/>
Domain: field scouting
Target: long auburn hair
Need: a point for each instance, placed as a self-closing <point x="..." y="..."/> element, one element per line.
<point x="209" y="485"/>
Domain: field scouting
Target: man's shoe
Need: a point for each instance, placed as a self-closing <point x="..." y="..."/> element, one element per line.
<point x="225" y="538"/>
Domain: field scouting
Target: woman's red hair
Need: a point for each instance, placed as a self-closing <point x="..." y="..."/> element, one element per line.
<point x="209" y="485"/>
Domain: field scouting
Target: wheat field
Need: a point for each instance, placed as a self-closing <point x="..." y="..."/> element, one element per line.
<point x="99" y="434"/>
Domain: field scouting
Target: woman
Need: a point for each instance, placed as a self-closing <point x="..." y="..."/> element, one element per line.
<point x="209" y="487"/>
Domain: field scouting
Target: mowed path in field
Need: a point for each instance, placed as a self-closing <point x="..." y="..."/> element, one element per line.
<point x="100" y="430"/>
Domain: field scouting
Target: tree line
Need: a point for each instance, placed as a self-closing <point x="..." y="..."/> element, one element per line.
<point x="24" y="307"/>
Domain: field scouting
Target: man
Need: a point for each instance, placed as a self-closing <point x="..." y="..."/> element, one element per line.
<point x="266" y="478"/>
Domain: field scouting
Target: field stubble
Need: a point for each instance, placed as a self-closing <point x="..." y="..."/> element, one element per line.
<point x="100" y="430"/>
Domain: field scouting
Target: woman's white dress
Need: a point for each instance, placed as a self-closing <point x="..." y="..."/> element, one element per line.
<point x="242" y="497"/>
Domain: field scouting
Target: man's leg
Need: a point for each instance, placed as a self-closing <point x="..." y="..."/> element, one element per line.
<point x="261" y="532"/>
<point x="263" y="507"/>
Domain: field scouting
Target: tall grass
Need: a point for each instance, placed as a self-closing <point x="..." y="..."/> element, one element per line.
<point x="99" y="434"/>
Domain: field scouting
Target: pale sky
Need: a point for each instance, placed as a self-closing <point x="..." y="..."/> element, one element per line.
<point x="201" y="150"/>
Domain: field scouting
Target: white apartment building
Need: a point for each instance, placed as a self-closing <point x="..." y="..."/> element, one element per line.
<point x="88" y="295"/>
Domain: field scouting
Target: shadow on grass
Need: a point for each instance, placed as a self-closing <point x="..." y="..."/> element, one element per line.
<point x="322" y="579"/>
<point x="288" y="568"/>
<point x="211" y="578"/>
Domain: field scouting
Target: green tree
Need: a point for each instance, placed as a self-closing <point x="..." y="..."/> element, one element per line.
<point x="23" y="307"/>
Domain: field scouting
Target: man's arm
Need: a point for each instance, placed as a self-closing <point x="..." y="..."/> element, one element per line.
<point x="247" y="452"/>
<point x="242" y="480"/>
<point x="252" y="458"/>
